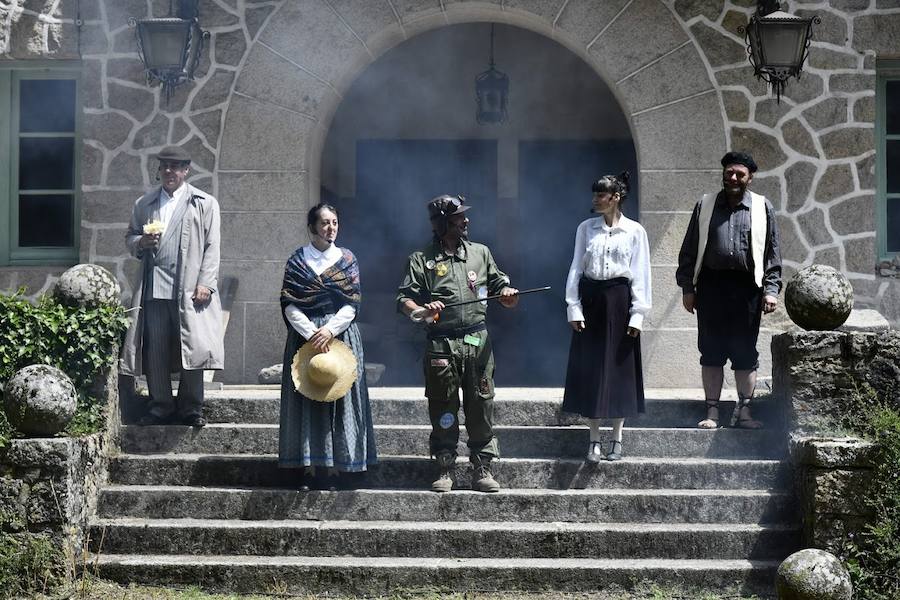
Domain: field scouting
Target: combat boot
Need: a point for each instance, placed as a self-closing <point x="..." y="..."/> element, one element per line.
<point x="446" y="463"/>
<point x="482" y="477"/>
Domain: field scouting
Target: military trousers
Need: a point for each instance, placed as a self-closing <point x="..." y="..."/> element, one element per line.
<point x="461" y="364"/>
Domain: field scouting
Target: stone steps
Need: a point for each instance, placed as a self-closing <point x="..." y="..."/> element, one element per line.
<point x="534" y="505"/>
<point x="417" y="472"/>
<point x="373" y="576"/>
<point x="704" y="510"/>
<point x="512" y="406"/>
<point x="515" y="441"/>
<point x="483" y="539"/>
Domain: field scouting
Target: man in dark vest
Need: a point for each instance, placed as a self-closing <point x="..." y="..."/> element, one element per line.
<point x="174" y="232"/>
<point x="458" y="353"/>
<point x="729" y="271"/>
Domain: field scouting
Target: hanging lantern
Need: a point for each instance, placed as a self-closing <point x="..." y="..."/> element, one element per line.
<point x="170" y="47"/>
<point x="777" y="43"/>
<point x="492" y="92"/>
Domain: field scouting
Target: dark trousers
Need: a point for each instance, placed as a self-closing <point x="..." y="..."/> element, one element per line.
<point x="451" y="365"/>
<point x="162" y="352"/>
<point x="729" y="309"/>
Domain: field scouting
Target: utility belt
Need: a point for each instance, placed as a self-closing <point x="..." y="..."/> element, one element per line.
<point x="456" y="332"/>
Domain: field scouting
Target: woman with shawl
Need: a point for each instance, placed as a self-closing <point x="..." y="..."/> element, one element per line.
<point x="320" y="299"/>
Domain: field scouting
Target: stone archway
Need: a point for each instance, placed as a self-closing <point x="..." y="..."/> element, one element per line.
<point x="307" y="55"/>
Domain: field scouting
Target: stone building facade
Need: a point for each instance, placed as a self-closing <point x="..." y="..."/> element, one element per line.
<point x="274" y="74"/>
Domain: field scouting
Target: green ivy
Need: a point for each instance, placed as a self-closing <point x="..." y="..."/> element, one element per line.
<point x="82" y="342"/>
<point x="873" y="555"/>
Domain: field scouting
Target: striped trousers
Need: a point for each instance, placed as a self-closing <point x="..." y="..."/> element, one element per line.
<point x="162" y="351"/>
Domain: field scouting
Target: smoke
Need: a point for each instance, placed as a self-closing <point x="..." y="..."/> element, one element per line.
<point x="406" y="131"/>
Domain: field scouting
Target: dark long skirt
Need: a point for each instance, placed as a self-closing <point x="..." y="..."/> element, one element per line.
<point x="604" y="379"/>
<point x="335" y="434"/>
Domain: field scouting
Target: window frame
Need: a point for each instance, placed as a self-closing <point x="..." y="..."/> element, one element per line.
<point x="886" y="70"/>
<point x="11" y="254"/>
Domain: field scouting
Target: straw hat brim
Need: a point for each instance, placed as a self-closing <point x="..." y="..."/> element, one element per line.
<point x="315" y="391"/>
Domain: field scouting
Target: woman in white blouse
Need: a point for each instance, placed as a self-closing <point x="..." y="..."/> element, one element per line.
<point x="320" y="299"/>
<point x="608" y="296"/>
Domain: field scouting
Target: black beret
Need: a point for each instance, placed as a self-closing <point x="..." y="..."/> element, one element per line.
<point x="739" y="158"/>
<point x="174" y="154"/>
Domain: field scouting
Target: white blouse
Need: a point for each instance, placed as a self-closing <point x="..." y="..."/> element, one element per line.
<point x="604" y="252"/>
<point x="318" y="262"/>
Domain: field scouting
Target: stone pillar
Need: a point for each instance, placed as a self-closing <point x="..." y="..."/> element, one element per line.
<point x="821" y="379"/>
<point x="833" y="474"/>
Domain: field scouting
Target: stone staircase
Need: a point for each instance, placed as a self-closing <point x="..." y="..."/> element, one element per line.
<point x="703" y="510"/>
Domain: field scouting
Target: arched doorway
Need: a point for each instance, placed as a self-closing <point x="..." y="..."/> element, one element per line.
<point x="406" y="131"/>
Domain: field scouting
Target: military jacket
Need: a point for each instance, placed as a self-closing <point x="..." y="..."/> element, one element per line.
<point x="469" y="274"/>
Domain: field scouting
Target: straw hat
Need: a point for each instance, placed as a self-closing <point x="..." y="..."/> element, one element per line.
<point x="324" y="376"/>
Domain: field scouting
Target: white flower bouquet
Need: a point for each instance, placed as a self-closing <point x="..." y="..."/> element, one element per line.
<point x="154" y="227"/>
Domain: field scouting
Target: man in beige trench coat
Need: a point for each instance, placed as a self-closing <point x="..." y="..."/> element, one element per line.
<point x="177" y="327"/>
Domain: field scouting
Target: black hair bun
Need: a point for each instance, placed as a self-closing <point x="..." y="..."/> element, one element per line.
<point x="624" y="177"/>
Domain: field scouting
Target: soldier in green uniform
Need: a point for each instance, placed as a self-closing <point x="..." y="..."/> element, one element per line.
<point x="458" y="352"/>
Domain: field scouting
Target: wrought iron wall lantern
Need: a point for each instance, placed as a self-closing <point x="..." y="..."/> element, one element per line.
<point x="170" y="47"/>
<point x="778" y="43"/>
<point x="492" y="92"/>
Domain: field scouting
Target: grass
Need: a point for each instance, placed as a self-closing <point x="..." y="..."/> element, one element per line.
<point x="95" y="589"/>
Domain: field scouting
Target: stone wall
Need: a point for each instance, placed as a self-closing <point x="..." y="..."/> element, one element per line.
<point x="274" y="73"/>
<point x="49" y="487"/>
<point x="820" y="376"/>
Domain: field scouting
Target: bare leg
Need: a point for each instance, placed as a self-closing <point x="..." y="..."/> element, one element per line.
<point x="745" y="381"/>
<point x="713" y="378"/>
<point x="595" y="429"/>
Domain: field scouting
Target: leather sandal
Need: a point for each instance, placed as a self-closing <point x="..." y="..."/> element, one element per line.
<point x="712" y="415"/>
<point x="744" y="420"/>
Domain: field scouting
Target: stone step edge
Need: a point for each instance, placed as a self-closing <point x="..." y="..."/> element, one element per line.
<point x="500" y="428"/>
<point x="460" y="460"/>
<point x="497" y="526"/>
<point x="662" y="492"/>
<point x="502" y="394"/>
<point x="341" y="562"/>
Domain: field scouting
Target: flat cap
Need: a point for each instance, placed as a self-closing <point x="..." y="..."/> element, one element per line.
<point x="739" y="158"/>
<point x="174" y="154"/>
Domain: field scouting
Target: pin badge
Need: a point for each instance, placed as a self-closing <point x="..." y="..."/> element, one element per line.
<point x="447" y="420"/>
<point x="441" y="269"/>
<point x="429" y="264"/>
<point x="472" y="275"/>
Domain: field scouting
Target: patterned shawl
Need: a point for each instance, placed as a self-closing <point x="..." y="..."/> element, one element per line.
<point x="321" y="294"/>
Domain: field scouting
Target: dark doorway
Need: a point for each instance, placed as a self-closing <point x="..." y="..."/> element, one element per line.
<point x="554" y="197"/>
<point x="387" y="220"/>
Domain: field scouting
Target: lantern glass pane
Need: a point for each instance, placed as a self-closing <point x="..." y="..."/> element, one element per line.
<point x="892" y="106"/>
<point x="782" y="43"/>
<point x="164" y="43"/>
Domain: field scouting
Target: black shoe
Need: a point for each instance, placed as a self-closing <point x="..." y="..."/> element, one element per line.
<point x="615" y="450"/>
<point x="151" y="420"/>
<point x="194" y="421"/>
<point x="326" y="483"/>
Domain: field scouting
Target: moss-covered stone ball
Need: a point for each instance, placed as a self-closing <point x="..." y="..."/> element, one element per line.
<point x="39" y="400"/>
<point x="87" y="285"/>
<point x="819" y="298"/>
<point x="813" y="574"/>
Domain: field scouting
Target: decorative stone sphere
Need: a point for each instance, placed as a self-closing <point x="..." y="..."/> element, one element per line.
<point x="39" y="400"/>
<point x="813" y="574"/>
<point x="819" y="298"/>
<point x="87" y="285"/>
